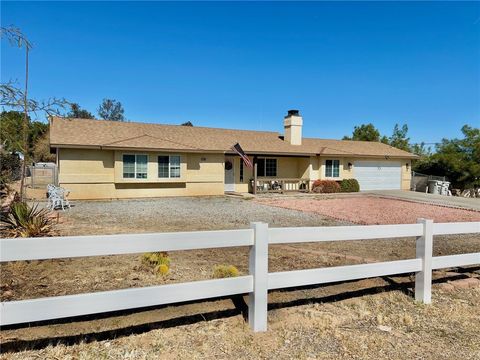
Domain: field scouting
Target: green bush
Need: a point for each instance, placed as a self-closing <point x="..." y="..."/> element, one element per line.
<point x="23" y="220"/>
<point x="10" y="168"/>
<point x="349" y="185"/>
<point x="225" y="271"/>
<point x="325" y="186"/>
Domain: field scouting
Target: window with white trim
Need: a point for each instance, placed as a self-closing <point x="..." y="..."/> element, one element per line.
<point x="169" y="166"/>
<point x="135" y="166"/>
<point x="266" y="167"/>
<point x="332" y="168"/>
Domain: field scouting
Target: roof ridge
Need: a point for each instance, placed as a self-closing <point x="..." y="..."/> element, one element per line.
<point x="159" y="124"/>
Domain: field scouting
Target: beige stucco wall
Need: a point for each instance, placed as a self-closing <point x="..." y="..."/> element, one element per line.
<point x="98" y="174"/>
<point x="318" y="165"/>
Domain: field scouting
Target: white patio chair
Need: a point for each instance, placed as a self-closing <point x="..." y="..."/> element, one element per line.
<point x="57" y="198"/>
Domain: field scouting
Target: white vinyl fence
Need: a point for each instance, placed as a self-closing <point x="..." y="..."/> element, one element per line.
<point x="256" y="284"/>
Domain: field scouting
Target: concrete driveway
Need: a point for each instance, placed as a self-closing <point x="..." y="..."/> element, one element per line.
<point x="453" y="201"/>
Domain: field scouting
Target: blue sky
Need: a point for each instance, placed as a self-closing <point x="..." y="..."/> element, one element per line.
<point x="243" y="65"/>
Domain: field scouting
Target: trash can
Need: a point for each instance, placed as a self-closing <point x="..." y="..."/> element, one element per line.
<point x="445" y="185"/>
<point x="434" y="187"/>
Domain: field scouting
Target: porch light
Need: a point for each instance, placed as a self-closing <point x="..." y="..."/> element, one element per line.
<point x="350" y="166"/>
<point x="407" y="166"/>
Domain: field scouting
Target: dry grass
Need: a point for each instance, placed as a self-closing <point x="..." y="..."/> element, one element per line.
<point x="333" y="322"/>
<point x="382" y="326"/>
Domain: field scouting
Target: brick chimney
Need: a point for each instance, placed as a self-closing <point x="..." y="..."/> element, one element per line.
<point x="292" y="124"/>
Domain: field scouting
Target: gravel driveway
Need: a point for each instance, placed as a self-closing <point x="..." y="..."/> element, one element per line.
<point x="373" y="210"/>
<point x="178" y="214"/>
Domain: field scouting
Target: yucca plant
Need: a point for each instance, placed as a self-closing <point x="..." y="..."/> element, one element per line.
<point x="23" y="220"/>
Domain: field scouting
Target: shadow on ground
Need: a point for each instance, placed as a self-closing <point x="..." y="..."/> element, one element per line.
<point x="398" y="283"/>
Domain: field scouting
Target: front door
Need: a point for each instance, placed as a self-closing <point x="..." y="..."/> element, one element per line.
<point x="229" y="174"/>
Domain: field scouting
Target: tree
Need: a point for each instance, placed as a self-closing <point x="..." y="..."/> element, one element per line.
<point x="11" y="125"/>
<point x="364" y="132"/>
<point x="41" y="150"/>
<point x="77" y="112"/>
<point x="399" y="138"/>
<point x="188" y="123"/>
<point x="111" y="110"/>
<point x="15" y="98"/>
<point x="421" y="150"/>
<point x="457" y="159"/>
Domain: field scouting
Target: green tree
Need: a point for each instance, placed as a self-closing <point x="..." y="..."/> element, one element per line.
<point x="77" y="112"/>
<point x="15" y="98"/>
<point x="111" y="109"/>
<point x="457" y="159"/>
<point x="11" y="126"/>
<point x="421" y="150"/>
<point x="188" y="123"/>
<point x="41" y="150"/>
<point x="364" y="132"/>
<point x="399" y="138"/>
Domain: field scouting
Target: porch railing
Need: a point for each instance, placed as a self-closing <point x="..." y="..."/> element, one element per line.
<point x="281" y="185"/>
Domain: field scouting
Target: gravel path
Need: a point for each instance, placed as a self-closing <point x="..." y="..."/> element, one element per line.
<point x="178" y="214"/>
<point x="371" y="210"/>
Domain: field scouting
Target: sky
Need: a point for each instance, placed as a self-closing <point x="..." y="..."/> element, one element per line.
<point x="244" y="64"/>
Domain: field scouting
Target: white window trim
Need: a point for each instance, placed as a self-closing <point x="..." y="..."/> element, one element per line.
<point x="170" y="167"/>
<point x="135" y="174"/>
<point x="339" y="166"/>
<point x="265" y="166"/>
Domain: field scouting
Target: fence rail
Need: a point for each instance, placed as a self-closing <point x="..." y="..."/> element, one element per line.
<point x="256" y="284"/>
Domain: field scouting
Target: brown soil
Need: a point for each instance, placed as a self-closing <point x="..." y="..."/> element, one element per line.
<point x="302" y="330"/>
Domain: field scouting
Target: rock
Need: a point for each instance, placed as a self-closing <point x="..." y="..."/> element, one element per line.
<point x="384" y="328"/>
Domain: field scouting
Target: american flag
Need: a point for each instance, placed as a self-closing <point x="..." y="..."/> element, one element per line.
<point x="238" y="149"/>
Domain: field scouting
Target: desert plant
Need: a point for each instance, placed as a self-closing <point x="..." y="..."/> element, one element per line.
<point x="159" y="261"/>
<point x="156" y="258"/>
<point x="325" y="186"/>
<point x="349" y="185"/>
<point x="162" y="269"/>
<point x="23" y="220"/>
<point x="225" y="271"/>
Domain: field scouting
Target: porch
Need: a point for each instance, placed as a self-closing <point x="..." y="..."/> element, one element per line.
<point x="280" y="185"/>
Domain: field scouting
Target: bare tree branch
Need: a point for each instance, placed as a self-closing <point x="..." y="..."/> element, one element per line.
<point x="15" y="37"/>
<point x="13" y="97"/>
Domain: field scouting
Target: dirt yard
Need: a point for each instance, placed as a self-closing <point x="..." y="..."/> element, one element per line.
<point x="339" y="323"/>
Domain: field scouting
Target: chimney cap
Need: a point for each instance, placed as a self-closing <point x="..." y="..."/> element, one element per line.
<point x="293" y="113"/>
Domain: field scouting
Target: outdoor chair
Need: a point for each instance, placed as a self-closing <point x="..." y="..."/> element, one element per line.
<point x="57" y="198"/>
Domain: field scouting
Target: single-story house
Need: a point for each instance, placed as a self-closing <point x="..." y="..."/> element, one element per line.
<point x="99" y="159"/>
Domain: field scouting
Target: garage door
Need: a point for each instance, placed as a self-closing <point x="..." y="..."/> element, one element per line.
<point x="378" y="175"/>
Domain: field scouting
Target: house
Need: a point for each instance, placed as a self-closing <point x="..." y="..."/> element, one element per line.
<point x="100" y="159"/>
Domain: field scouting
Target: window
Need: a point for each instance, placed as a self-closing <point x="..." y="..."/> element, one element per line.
<point x="135" y="166"/>
<point x="266" y="167"/>
<point x="332" y="168"/>
<point x="169" y="166"/>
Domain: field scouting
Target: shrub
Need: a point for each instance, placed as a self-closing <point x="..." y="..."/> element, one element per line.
<point x="349" y="185"/>
<point x="23" y="220"/>
<point x="325" y="186"/>
<point x="159" y="261"/>
<point x="10" y="168"/>
<point x="156" y="258"/>
<point x="162" y="269"/>
<point x="225" y="271"/>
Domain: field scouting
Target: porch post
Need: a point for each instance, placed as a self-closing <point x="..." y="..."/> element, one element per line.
<point x="254" y="175"/>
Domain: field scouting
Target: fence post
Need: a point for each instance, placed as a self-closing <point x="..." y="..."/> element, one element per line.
<point x="423" y="278"/>
<point x="258" y="265"/>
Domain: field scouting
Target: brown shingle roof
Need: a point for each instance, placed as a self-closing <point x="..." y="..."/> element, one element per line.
<point x="132" y="135"/>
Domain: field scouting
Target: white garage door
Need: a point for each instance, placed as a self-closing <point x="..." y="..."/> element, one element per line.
<point x="378" y="175"/>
